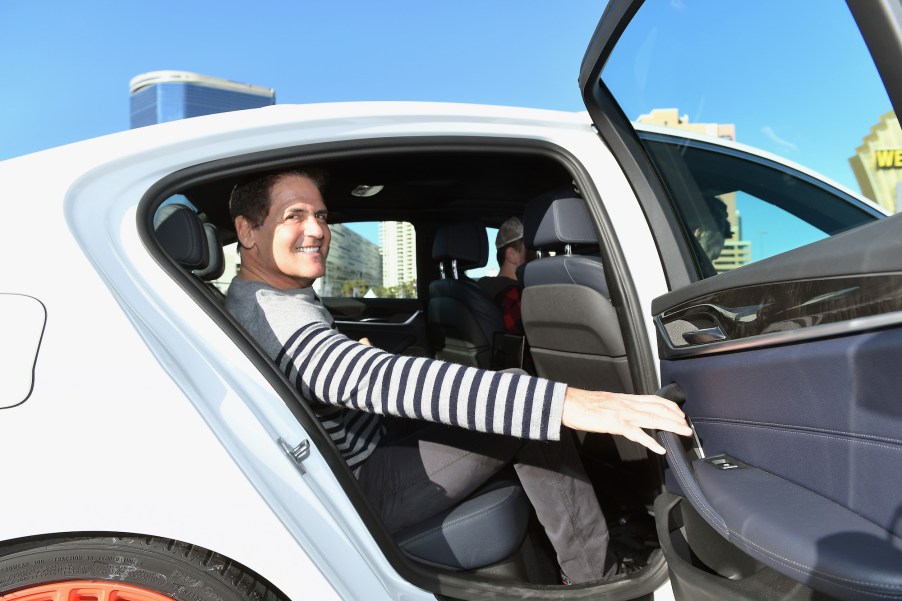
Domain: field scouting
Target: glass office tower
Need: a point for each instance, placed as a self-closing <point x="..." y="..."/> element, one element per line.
<point x="161" y="96"/>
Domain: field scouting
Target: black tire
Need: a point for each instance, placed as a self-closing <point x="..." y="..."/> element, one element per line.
<point x="177" y="570"/>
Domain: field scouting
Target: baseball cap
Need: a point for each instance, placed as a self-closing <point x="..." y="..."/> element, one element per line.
<point x="510" y="231"/>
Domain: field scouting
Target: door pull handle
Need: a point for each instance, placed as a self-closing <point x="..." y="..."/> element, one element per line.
<point x="705" y="336"/>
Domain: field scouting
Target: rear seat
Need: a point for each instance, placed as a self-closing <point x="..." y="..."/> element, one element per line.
<point x="484" y="530"/>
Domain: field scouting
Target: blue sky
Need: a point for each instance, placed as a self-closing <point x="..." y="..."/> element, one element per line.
<point x="66" y="65"/>
<point x="795" y="77"/>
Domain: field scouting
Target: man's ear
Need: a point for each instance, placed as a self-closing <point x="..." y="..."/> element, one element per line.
<point x="513" y="255"/>
<point x="510" y="254"/>
<point x="245" y="232"/>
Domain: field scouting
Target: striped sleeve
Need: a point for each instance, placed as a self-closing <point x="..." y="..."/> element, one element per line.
<point x="328" y="367"/>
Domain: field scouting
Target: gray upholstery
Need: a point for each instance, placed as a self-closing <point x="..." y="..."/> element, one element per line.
<point x="572" y="327"/>
<point x="216" y="261"/>
<point x="462" y="318"/>
<point x="181" y="234"/>
<point x="191" y="243"/>
<point x="481" y="531"/>
<point x="574" y="269"/>
<point x="558" y="221"/>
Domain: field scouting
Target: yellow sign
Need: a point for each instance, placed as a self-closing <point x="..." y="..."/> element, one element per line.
<point x="888" y="159"/>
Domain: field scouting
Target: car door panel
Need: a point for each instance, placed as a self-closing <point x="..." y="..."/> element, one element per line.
<point x="395" y="325"/>
<point x="795" y="458"/>
<point x="826" y="405"/>
<point x="795" y="406"/>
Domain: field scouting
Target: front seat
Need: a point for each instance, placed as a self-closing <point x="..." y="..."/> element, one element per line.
<point x="570" y="324"/>
<point x="484" y="530"/>
<point x="462" y="318"/>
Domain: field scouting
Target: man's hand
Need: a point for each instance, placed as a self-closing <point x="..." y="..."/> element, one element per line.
<point x="623" y="414"/>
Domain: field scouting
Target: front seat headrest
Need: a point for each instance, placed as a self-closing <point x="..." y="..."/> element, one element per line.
<point x="551" y="221"/>
<point x="465" y="241"/>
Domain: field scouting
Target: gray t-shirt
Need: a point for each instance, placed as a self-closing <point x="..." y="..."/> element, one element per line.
<point x="352" y="383"/>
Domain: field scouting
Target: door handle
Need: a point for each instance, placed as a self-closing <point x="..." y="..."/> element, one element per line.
<point x="705" y="336"/>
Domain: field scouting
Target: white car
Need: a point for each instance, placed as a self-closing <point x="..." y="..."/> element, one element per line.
<point x="152" y="451"/>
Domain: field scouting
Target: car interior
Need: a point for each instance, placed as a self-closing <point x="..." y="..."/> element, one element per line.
<point x="450" y="193"/>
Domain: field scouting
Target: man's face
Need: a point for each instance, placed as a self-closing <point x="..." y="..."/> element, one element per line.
<point x="289" y="250"/>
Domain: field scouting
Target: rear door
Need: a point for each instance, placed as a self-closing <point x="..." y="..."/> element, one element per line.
<point x="786" y="353"/>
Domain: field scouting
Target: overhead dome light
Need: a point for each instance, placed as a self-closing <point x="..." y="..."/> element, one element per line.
<point x="366" y="191"/>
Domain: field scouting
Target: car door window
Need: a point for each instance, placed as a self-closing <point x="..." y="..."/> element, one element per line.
<point x="767" y="132"/>
<point x="371" y="260"/>
<point x="490" y="269"/>
<point x="739" y="206"/>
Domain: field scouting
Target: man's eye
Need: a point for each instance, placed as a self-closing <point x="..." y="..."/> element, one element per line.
<point x="322" y="217"/>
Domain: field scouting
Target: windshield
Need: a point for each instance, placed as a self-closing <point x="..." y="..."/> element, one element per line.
<point x="794" y="80"/>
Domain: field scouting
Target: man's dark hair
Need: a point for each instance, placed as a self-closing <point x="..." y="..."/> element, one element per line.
<point x="250" y="198"/>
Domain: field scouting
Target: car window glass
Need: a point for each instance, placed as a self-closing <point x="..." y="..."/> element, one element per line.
<point x="371" y="260"/>
<point x="491" y="267"/>
<point x="793" y="110"/>
<point x="740" y="207"/>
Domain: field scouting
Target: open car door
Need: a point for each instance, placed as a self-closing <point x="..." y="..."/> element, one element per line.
<point x="782" y="333"/>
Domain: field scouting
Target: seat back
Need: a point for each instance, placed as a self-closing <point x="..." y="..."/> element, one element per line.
<point x="462" y="318"/>
<point x="190" y="242"/>
<point x="570" y="324"/>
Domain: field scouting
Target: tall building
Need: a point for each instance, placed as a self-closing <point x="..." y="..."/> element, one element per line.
<point x="399" y="253"/>
<point x="736" y="251"/>
<point x="877" y="163"/>
<point x="352" y="258"/>
<point x="161" y="96"/>
<point x="671" y="118"/>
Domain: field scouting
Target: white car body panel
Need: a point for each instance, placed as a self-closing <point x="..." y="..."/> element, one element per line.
<point x="145" y="417"/>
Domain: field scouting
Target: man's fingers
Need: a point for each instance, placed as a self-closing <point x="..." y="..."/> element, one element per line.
<point x="660" y="405"/>
<point x="645" y="440"/>
<point x="677" y="425"/>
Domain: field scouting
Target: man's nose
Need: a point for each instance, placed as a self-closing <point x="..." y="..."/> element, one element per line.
<point x="313" y="228"/>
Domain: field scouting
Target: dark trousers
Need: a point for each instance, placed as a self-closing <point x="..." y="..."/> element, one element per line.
<point x="421" y="469"/>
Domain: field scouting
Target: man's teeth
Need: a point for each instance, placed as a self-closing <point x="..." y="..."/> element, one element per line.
<point x="307" y="249"/>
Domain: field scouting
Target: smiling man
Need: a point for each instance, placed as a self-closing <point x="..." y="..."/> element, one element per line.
<point x="473" y="422"/>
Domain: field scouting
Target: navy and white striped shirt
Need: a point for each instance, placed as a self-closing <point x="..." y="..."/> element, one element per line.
<point x="351" y="384"/>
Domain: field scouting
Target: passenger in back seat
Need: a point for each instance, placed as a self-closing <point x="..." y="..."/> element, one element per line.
<point x="475" y="421"/>
<point x="504" y="289"/>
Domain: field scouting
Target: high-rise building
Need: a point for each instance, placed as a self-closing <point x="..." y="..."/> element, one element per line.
<point x="353" y="267"/>
<point x="161" y="96"/>
<point x="399" y="253"/>
<point x="671" y="118"/>
<point x="877" y="163"/>
<point x="736" y="251"/>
